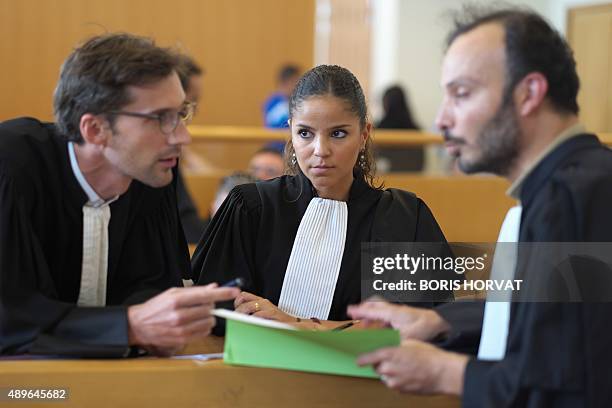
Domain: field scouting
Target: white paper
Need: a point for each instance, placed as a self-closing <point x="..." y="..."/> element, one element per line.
<point x="258" y="321"/>
<point x="200" y="357"/>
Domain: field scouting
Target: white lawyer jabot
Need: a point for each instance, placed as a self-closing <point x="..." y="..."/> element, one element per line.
<point x="94" y="269"/>
<point x="315" y="260"/>
<point x="496" y="318"/>
<point x="96" y="219"/>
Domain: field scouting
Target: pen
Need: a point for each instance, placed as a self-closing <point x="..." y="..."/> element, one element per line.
<point x="344" y="326"/>
<point x="234" y="283"/>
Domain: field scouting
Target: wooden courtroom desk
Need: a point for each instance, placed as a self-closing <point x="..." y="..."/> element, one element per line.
<point x="159" y="382"/>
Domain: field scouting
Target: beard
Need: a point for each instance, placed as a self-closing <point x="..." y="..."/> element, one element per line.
<point x="132" y="162"/>
<point x="497" y="143"/>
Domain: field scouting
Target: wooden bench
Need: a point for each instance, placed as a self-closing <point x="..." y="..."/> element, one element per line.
<point x="468" y="209"/>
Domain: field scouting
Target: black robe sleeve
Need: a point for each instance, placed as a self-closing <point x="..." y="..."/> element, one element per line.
<point x="227" y="248"/>
<point x="403" y="217"/>
<point x="465" y="319"/>
<point x="31" y="321"/>
<point x="150" y="254"/>
<point x="193" y="225"/>
<point x="428" y="230"/>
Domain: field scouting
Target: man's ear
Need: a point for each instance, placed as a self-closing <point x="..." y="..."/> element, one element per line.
<point x="530" y="93"/>
<point x="94" y="129"/>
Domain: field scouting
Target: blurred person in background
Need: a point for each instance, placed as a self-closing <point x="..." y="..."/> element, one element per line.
<point x="398" y="116"/>
<point x="190" y="75"/>
<point x="226" y="185"/>
<point x="267" y="163"/>
<point x="276" y="107"/>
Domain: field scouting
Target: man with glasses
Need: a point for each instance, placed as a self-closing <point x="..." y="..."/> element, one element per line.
<point x="90" y="242"/>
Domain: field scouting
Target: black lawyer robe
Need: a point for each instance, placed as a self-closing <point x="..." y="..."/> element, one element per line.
<point x="41" y="238"/>
<point x="252" y="235"/>
<point x="192" y="224"/>
<point x="558" y="354"/>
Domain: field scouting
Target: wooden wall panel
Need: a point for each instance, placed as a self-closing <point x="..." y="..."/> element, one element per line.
<point x="240" y="43"/>
<point x="349" y="38"/>
<point x="589" y="32"/>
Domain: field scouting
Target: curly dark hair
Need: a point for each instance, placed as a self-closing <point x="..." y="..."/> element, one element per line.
<point x="341" y="83"/>
<point x="95" y="76"/>
<point x="532" y="45"/>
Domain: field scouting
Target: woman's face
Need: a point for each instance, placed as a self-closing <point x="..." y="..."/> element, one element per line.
<point x="327" y="139"/>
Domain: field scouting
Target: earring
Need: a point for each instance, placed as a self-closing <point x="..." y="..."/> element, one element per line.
<point x="293" y="160"/>
<point x="362" y="161"/>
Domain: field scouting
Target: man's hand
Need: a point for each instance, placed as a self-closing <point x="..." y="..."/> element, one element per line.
<point x="249" y="303"/>
<point x="412" y="322"/>
<point x="169" y="321"/>
<point x="418" y="367"/>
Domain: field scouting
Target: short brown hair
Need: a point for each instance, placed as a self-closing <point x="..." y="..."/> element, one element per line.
<point x="95" y="76"/>
<point x="187" y="67"/>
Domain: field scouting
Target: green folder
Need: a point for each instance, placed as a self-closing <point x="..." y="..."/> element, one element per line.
<point x="252" y="341"/>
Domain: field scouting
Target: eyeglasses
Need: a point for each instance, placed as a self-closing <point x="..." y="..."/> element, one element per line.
<point x="168" y="120"/>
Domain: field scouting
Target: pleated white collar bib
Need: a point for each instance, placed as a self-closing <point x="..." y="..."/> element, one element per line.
<point x="315" y="260"/>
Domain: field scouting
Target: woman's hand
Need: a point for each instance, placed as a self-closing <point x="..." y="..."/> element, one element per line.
<point x="249" y="303"/>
